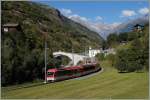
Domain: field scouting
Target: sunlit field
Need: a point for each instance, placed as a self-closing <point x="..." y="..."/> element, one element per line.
<point x="106" y="84"/>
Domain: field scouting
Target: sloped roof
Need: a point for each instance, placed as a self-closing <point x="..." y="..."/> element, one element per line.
<point x="10" y="25"/>
<point x="138" y="25"/>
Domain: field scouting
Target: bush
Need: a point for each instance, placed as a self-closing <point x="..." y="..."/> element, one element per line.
<point x="100" y="56"/>
<point x="128" y="60"/>
<point x="111" y="58"/>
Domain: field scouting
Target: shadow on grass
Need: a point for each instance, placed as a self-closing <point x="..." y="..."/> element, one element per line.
<point x="124" y="72"/>
<point x="132" y="72"/>
<point x="28" y="86"/>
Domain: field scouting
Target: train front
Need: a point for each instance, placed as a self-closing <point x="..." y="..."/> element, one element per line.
<point x="51" y="74"/>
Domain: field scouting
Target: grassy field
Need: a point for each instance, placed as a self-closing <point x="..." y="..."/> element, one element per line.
<point x="105" y="85"/>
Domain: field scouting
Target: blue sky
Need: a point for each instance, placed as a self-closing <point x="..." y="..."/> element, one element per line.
<point x="101" y="16"/>
<point x="110" y="11"/>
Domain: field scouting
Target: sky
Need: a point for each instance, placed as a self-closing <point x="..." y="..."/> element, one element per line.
<point x="100" y="16"/>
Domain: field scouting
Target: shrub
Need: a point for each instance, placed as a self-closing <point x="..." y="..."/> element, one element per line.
<point x="100" y="56"/>
<point x="128" y="60"/>
<point x="111" y="58"/>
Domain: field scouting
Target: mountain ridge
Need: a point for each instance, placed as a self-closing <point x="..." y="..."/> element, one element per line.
<point x="52" y="20"/>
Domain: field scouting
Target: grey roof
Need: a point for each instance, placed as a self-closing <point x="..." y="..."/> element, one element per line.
<point x="10" y="25"/>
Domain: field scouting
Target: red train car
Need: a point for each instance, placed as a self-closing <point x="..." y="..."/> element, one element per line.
<point x="57" y="74"/>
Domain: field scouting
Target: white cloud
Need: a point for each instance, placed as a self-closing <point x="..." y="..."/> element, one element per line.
<point x="77" y="17"/>
<point x="103" y="29"/>
<point x="98" y="18"/>
<point x="128" y="13"/>
<point x="143" y="11"/>
<point x="115" y="24"/>
<point x="65" y="11"/>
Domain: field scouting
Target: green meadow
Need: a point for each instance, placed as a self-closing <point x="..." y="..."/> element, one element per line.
<point x="102" y="85"/>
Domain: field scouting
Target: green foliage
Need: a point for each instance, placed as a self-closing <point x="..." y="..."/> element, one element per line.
<point x="112" y="40"/>
<point x="111" y="59"/>
<point x="123" y="37"/>
<point x="135" y="57"/>
<point x="105" y="45"/>
<point x="132" y="36"/>
<point x="145" y="44"/>
<point x="131" y="59"/>
<point x="100" y="56"/>
<point x="132" y="56"/>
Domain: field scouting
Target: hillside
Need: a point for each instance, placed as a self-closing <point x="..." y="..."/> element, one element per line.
<point x="35" y="17"/>
<point x="23" y="50"/>
<point x="143" y="38"/>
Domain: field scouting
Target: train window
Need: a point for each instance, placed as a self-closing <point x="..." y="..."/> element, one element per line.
<point x="64" y="72"/>
<point x="49" y="73"/>
<point x="87" y="68"/>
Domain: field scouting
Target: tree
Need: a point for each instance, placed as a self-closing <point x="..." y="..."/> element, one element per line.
<point x="145" y="44"/>
<point x="123" y="37"/>
<point x="111" y="58"/>
<point x="100" y="56"/>
<point x="131" y="59"/>
<point x="105" y="45"/>
<point x="132" y="36"/>
<point x="120" y="61"/>
<point x="112" y="40"/>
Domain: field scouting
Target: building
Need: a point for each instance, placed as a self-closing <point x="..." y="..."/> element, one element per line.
<point x="11" y="27"/>
<point x="94" y="52"/>
<point x="138" y="28"/>
<point x="123" y="42"/>
<point x="109" y="51"/>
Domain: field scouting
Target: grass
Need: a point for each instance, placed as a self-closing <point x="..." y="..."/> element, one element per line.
<point x="125" y="46"/>
<point x="108" y="84"/>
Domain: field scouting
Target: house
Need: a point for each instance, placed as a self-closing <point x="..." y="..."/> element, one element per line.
<point x="109" y="51"/>
<point x="11" y="27"/>
<point x="138" y="28"/>
<point x="123" y="42"/>
<point x="94" y="52"/>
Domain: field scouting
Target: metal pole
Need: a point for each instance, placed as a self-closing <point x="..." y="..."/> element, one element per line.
<point x="85" y="53"/>
<point x="73" y="56"/>
<point x="45" y="60"/>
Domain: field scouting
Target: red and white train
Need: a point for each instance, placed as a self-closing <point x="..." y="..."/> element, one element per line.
<point x="57" y="74"/>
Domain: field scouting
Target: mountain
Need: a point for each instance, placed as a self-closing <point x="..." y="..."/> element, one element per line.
<point x="41" y="17"/>
<point x="128" y="26"/>
<point x="23" y="50"/>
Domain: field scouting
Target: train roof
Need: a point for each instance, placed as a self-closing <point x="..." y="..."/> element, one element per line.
<point x="73" y="67"/>
<point x="52" y="70"/>
<point x="67" y="68"/>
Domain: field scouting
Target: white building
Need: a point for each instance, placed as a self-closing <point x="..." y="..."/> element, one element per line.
<point x="109" y="51"/>
<point x="94" y="52"/>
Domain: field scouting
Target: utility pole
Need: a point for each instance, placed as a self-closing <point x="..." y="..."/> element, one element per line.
<point x="45" y="55"/>
<point x="45" y="60"/>
<point x="85" y="54"/>
<point x="72" y="56"/>
<point x="45" y="33"/>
